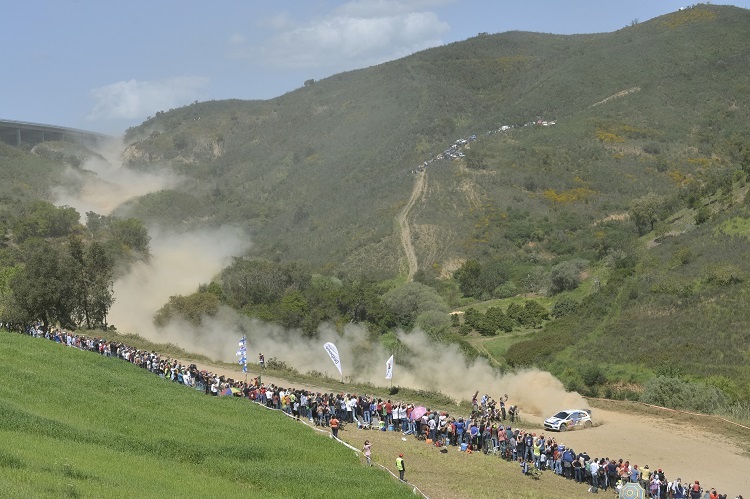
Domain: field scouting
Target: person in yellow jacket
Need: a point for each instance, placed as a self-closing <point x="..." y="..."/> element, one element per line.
<point x="401" y="467"/>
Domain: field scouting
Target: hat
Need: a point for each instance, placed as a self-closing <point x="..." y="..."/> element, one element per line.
<point x="400" y="455"/>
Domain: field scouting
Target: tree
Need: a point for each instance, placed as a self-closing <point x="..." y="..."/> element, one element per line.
<point x="92" y="271"/>
<point x="565" y="276"/>
<point x="131" y="233"/>
<point x="42" y="219"/>
<point x="434" y="322"/>
<point x="44" y="289"/>
<point x="476" y="159"/>
<point x="6" y="275"/>
<point x="515" y="312"/>
<point x="702" y="215"/>
<point x="472" y="317"/>
<point x="644" y="212"/>
<point x="492" y="276"/>
<point x="499" y="319"/>
<point x="468" y="277"/>
<point x="407" y="302"/>
<point x="100" y="273"/>
<point x="564" y="307"/>
<point x="292" y="309"/>
<point x="533" y="314"/>
<point x="192" y="308"/>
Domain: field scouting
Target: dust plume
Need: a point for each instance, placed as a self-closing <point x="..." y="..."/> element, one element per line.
<point x="106" y="183"/>
<point x="422" y="363"/>
<point x="178" y="264"/>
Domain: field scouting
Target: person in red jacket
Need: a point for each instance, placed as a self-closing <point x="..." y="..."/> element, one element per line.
<point x="334" y="426"/>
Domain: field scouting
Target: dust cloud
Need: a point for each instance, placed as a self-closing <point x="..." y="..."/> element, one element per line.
<point x="178" y="264"/>
<point x="421" y="363"/>
<point x="106" y="183"/>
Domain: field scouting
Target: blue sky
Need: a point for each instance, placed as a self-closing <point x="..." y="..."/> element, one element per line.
<point x="103" y="66"/>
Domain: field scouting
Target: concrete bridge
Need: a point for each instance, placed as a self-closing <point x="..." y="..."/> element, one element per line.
<point x="18" y="133"/>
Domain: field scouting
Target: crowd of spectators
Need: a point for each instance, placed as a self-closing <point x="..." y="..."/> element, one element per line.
<point x="490" y="428"/>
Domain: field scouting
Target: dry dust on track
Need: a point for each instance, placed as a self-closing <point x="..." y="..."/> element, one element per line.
<point x="683" y="449"/>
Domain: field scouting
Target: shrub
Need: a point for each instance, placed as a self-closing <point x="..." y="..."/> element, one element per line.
<point x="564" y="307"/>
<point x="505" y="290"/>
<point x="652" y="148"/>
<point x="593" y="376"/>
<point x="678" y="394"/>
<point x="723" y="274"/>
<point x="434" y="321"/>
<point x="703" y="215"/>
<point x="565" y="276"/>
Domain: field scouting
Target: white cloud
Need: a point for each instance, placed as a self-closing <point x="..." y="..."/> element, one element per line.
<point x="137" y="99"/>
<point x="357" y="34"/>
<point x="237" y="38"/>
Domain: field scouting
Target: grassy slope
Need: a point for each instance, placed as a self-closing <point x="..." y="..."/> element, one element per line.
<point x="76" y="424"/>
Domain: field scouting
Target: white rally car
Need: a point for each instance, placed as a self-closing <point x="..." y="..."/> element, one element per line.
<point x="568" y="419"/>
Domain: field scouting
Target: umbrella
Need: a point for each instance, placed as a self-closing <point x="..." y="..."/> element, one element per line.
<point x="632" y="491"/>
<point x="230" y="391"/>
<point x="418" y="412"/>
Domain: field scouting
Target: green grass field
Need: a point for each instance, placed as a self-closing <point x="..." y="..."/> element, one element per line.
<point x="74" y="424"/>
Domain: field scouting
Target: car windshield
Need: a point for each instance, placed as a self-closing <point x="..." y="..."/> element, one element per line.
<point x="561" y="415"/>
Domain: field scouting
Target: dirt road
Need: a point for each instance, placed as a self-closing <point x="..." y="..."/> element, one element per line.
<point x="682" y="447"/>
<point x="403" y="223"/>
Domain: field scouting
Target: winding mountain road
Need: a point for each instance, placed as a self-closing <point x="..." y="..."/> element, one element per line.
<point x="403" y="222"/>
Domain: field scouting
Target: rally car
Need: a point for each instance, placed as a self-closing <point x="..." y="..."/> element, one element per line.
<point x="568" y="419"/>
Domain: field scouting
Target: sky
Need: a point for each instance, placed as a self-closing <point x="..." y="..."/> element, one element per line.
<point x="104" y="66"/>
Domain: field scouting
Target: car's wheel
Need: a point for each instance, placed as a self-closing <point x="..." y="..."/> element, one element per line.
<point x="587" y="424"/>
<point x="563" y="427"/>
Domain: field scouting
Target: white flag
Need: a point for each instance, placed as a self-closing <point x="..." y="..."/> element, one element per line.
<point x="389" y="368"/>
<point x="333" y="352"/>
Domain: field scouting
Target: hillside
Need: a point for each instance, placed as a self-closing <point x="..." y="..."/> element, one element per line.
<point x="329" y="164"/>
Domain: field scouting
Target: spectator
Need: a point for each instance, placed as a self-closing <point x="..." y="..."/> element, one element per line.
<point x="401" y="467"/>
<point x="367" y="450"/>
<point x="334" y="422"/>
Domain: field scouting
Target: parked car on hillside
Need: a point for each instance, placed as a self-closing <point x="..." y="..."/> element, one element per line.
<point x="569" y="419"/>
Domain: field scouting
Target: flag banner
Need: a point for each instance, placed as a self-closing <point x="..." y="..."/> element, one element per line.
<point x="333" y="352"/>
<point x="242" y="354"/>
<point x="389" y="368"/>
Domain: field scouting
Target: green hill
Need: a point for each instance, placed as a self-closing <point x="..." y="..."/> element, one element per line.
<point x="320" y="173"/>
<point x="75" y="424"/>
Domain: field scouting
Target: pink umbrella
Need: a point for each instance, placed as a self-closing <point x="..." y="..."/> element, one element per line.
<point x="418" y="412"/>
